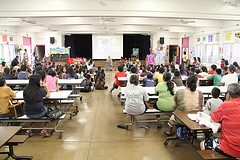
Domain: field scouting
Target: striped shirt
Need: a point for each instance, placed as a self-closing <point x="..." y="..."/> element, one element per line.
<point x="228" y="113"/>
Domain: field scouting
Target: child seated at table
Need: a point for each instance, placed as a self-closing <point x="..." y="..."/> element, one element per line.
<point x="117" y="83"/>
<point x="213" y="103"/>
<point x="149" y="81"/>
<point x="216" y="77"/>
<point x="52" y="81"/>
<point x="86" y="84"/>
<point x="177" y="79"/>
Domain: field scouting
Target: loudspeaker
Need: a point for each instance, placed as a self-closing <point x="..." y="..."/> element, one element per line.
<point x="52" y="40"/>
<point x="161" y="40"/>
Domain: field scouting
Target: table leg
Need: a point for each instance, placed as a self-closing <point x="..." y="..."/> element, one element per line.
<point x="11" y="154"/>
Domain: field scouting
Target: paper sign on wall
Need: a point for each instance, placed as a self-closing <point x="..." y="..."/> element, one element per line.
<point x="4" y="38"/>
<point x="228" y="36"/>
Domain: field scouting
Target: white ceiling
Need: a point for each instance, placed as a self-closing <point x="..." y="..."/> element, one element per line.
<point x="117" y="16"/>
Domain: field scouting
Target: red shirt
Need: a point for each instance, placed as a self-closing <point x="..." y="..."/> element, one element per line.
<point x="228" y="113"/>
<point x="211" y="72"/>
<point x="119" y="74"/>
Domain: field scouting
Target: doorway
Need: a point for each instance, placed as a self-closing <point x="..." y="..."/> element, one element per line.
<point x="173" y="54"/>
<point x="40" y="51"/>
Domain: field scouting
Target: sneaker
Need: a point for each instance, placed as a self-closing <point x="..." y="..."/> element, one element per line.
<point x="110" y="92"/>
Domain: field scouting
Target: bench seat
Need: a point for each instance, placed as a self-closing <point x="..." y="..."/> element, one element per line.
<point x="148" y="111"/>
<point x="18" y="139"/>
<point x="210" y="154"/>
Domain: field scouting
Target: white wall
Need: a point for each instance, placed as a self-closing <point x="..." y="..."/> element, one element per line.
<point x="43" y="38"/>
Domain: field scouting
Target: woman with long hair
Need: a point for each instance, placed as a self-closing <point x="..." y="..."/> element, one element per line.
<point x="188" y="99"/>
<point x="70" y="73"/>
<point x="33" y="96"/>
<point x="166" y="91"/>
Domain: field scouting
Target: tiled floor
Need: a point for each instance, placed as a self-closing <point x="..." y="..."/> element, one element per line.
<point x="93" y="135"/>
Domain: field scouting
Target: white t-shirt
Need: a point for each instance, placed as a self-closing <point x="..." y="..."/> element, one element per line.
<point x="213" y="103"/>
<point x="135" y="97"/>
<point x="229" y="78"/>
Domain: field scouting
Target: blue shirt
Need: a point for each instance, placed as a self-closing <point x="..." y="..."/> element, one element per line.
<point x="22" y="75"/>
<point x="149" y="82"/>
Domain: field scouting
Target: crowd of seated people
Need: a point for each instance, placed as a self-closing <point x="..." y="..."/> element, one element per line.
<point x="167" y="78"/>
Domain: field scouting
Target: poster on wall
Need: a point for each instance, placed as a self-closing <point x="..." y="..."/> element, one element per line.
<point x="4" y="38"/>
<point x="237" y="34"/>
<point x="210" y="38"/>
<point x="59" y="54"/>
<point x="228" y="36"/>
<point x="217" y="37"/>
<point x="204" y="39"/>
<point x="198" y="39"/>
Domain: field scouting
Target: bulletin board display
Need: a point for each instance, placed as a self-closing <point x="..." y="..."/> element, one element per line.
<point x="59" y="54"/>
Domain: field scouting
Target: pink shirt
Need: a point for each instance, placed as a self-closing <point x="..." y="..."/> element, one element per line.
<point x="51" y="83"/>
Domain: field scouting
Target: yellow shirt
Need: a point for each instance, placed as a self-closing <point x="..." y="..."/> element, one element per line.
<point x="159" y="77"/>
<point x="185" y="58"/>
<point x="6" y="94"/>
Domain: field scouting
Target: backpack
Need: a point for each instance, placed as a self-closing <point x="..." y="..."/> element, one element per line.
<point x="86" y="86"/>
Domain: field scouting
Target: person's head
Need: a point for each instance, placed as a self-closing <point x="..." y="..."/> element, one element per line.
<point x="215" y="92"/>
<point x="170" y="84"/>
<point x="149" y="75"/>
<point x="225" y="68"/>
<point x="213" y="67"/>
<point x="161" y="70"/>
<point x="194" y="58"/>
<point x="233" y="91"/>
<point x="30" y="91"/>
<point x="226" y="62"/>
<point x="25" y="50"/>
<point x="88" y="76"/>
<point x="133" y="70"/>
<point x="199" y="59"/>
<point x="134" y="80"/>
<point x="70" y="71"/>
<point x="184" y="53"/>
<point x="236" y="64"/>
<point x="176" y="73"/>
<point x="120" y="68"/>
<point x="192" y="83"/>
<point x="99" y="68"/>
<point x="2" y="81"/>
<point x="204" y="69"/>
<point x="193" y="69"/>
<point x="198" y="71"/>
<point x="148" y="69"/>
<point x="3" y="64"/>
<point x="231" y="69"/>
<point x="17" y="57"/>
<point x="171" y="68"/>
<point x="23" y="68"/>
<point x="42" y="73"/>
<point x="52" y="73"/>
<point x="6" y="70"/>
<point x="218" y="71"/>
<point x="222" y="60"/>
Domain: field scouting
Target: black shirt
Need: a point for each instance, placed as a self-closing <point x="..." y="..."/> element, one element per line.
<point x="15" y="62"/>
<point x="36" y="108"/>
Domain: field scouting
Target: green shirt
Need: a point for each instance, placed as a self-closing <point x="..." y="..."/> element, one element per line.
<point x="165" y="99"/>
<point x="216" y="79"/>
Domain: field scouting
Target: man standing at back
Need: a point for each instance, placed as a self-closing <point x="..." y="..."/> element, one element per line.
<point x="228" y="114"/>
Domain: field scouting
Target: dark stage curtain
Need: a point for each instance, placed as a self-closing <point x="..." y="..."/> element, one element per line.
<point x="131" y="41"/>
<point x="81" y="45"/>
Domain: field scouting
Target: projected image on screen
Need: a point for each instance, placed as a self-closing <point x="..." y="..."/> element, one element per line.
<point x="104" y="46"/>
<point x="108" y="44"/>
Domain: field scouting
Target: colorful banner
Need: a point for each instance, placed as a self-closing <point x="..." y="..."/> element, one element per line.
<point x="228" y="36"/>
<point x="59" y="51"/>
